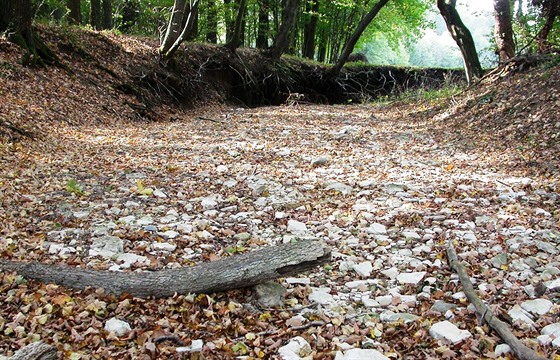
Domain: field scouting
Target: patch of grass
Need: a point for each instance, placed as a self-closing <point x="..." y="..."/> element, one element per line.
<point x="424" y="95"/>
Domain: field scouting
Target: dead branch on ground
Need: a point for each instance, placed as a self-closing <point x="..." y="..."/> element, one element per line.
<point x="503" y="330"/>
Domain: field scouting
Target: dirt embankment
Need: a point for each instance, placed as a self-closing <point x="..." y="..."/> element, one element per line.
<point x="113" y="76"/>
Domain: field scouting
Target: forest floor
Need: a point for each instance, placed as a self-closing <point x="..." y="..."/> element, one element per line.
<point x="385" y="185"/>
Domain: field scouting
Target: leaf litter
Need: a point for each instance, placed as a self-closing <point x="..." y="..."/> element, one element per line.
<point x="384" y="185"/>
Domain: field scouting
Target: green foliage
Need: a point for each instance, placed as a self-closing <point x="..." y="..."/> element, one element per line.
<point x="427" y="95"/>
<point x="235" y="249"/>
<point x="72" y="186"/>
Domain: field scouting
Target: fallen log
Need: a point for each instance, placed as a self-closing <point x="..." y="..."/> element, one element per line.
<point x="35" y="351"/>
<point x="503" y="330"/>
<point x="233" y="272"/>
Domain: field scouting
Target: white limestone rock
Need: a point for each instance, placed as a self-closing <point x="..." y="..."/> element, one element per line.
<point x="296" y="349"/>
<point x="363" y="269"/>
<point x="321" y="296"/>
<point x="502" y="349"/>
<point x="360" y="354"/>
<point x="106" y="246"/>
<point x="449" y="331"/>
<point x="118" y="327"/>
<point x="411" y="278"/>
<point x="296" y="227"/>
<point x="196" y="346"/>
<point x="517" y="313"/>
<point x="537" y="306"/>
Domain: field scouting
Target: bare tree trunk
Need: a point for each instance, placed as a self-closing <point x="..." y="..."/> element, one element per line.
<point x="75" y="15"/>
<point x="282" y="40"/>
<point x="107" y="19"/>
<point x="187" y="30"/>
<point x="174" y="26"/>
<point x="95" y="14"/>
<point x="233" y="272"/>
<point x="462" y="37"/>
<point x="212" y="22"/>
<point x="228" y="18"/>
<point x="263" y="29"/>
<point x="238" y="28"/>
<point x="550" y="10"/>
<point x="310" y="29"/>
<point x="351" y="43"/>
<point x="503" y="33"/>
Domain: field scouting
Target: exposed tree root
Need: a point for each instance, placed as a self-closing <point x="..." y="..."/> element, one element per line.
<point x="503" y="330"/>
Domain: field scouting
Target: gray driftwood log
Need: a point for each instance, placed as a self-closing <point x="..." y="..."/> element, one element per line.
<point x="233" y="272"/>
<point x="35" y="351"/>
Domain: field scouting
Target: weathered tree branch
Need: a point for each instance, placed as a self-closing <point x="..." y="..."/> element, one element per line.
<point x="234" y="272"/>
<point x="522" y="351"/>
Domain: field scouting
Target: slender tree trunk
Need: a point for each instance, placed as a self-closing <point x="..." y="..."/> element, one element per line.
<point x="107" y="20"/>
<point x="183" y="36"/>
<point x="550" y="11"/>
<point x="75" y="15"/>
<point x="212" y="22"/>
<point x="310" y="29"/>
<point x="95" y="14"/>
<point x="503" y="33"/>
<point x="351" y="43"/>
<point x="462" y="37"/>
<point x="282" y="40"/>
<point x="238" y="28"/>
<point x="263" y="28"/>
<point x="174" y="26"/>
<point x="193" y="16"/>
<point x="228" y="18"/>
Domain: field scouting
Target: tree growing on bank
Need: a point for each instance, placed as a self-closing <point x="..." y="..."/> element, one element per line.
<point x="16" y="19"/>
<point x="462" y="36"/>
<point x="179" y="27"/>
<point x="353" y="40"/>
<point x="550" y="10"/>
<point x="503" y="33"/>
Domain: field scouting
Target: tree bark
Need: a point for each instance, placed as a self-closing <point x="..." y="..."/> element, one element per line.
<point x="351" y="43"/>
<point x="503" y="33"/>
<point x="228" y="19"/>
<point x="282" y="40"/>
<point x="174" y="25"/>
<point x="185" y="33"/>
<point x="462" y="37"/>
<point x="238" y="28"/>
<point x="36" y="351"/>
<point x="212" y="22"/>
<point x="263" y="28"/>
<point x="550" y="10"/>
<point x="95" y="14"/>
<point x="233" y="272"/>
<point x="107" y="19"/>
<point x="522" y="351"/>
<point x="75" y="15"/>
<point x="16" y="18"/>
<point x="310" y="29"/>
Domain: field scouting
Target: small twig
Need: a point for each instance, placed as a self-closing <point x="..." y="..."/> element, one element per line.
<point x="209" y="119"/>
<point x="522" y="351"/>
<point x="308" y="325"/>
<point x="171" y="338"/>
